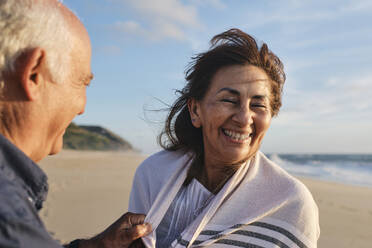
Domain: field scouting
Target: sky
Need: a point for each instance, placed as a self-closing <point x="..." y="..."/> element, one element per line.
<point x="141" y="49"/>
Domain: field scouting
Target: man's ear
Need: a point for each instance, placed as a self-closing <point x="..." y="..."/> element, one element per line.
<point x="194" y="106"/>
<point x="30" y="66"/>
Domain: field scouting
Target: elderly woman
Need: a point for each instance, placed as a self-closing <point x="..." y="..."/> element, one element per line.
<point x="211" y="186"/>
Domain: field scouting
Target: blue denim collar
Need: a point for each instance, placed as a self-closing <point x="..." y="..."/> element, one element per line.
<point x="20" y="169"/>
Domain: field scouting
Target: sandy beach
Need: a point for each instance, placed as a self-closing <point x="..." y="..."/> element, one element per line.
<point x="89" y="190"/>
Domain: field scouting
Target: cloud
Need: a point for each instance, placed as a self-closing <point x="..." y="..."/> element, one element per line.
<point x="294" y="12"/>
<point x="217" y="4"/>
<point x="345" y="99"/>
<point x="161" y="19"/>
<point x="130" y="27"/>
<point x="333" y="118"/>
<point x="162" y="30"/>
<point x="358" y="6"/>
<point x="110" y="50"/>
<point x="166" y="10"/>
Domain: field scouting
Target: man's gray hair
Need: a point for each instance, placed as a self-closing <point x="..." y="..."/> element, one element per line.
<point x="27" y="24"/>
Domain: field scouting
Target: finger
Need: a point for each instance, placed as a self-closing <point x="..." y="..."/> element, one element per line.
<point x="135" y="219"/>
<point x="128" y="219"/>
<point x="136" y="232"/>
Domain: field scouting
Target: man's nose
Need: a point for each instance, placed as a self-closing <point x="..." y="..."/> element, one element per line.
<point x="81" y="112"/>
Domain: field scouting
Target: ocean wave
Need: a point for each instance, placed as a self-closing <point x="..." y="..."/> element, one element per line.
<point x="350" y="169"/>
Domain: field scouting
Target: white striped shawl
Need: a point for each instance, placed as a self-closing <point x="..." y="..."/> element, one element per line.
<point x="260" y="206"/>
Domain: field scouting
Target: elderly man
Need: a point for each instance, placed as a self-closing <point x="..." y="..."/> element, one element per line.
<point x="44" y="71"/>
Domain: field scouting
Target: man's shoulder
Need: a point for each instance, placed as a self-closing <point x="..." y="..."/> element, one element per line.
<point x="20" y="225"/>
<point x="15" y="204"/>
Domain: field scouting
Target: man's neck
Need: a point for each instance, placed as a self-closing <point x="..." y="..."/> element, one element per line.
<point x="22" y="140"/>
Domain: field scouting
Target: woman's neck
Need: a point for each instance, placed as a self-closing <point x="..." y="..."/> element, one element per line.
<point x="214" y="177"/>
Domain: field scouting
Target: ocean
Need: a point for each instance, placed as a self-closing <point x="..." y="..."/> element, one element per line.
<point x="346" y="168"/>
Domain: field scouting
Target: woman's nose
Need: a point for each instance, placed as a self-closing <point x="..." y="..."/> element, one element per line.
<point x="243" y="116"/>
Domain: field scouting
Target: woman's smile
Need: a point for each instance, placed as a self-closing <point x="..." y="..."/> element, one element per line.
<point x="237" y="137"/>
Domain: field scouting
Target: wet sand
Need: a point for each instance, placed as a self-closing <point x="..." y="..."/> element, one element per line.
<point x="89" y="190"/>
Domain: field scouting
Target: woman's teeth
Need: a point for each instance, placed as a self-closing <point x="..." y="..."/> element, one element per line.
<point x="236" y="136"/>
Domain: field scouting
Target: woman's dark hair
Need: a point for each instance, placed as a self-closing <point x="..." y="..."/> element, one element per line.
<point x="232" y="47"/>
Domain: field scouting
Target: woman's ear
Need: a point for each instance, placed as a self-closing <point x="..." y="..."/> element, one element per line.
<point x="30" y="66"/>
<point x="194" y="106"/>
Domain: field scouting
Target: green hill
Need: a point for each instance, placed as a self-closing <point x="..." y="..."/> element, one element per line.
<point x="93" y="138"/>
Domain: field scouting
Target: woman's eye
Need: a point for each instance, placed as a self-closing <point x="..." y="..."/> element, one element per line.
<point x="229" y="100"/>
<point x="258" y="105"/>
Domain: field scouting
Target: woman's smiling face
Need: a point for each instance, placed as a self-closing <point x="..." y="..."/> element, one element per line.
<point x="234" y="114"/>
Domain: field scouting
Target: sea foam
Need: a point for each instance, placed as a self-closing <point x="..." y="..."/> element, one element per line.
<point x="348" y="168"/>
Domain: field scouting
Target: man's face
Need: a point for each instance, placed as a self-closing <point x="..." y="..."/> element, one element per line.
<point x="67" y="99"/>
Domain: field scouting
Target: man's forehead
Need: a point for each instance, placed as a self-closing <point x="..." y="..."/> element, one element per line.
<point x="77" y="28"/>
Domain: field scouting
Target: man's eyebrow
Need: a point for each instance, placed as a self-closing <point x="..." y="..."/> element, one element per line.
<point x="87" y="78"/>
<point x="230" y="90"/>
<point x="90" y="77"/>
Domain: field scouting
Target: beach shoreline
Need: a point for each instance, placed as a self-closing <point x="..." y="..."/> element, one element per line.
<point x="89" y="190"/>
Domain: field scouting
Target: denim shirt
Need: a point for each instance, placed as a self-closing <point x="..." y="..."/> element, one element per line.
<point x="23" y="188"/>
